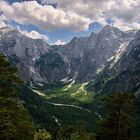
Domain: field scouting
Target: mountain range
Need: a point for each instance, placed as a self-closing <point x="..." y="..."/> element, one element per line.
<point x="70" y="78"/>
<point x="82" y="58"/>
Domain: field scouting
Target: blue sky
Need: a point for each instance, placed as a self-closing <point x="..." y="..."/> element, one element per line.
<point x="59" y="34"/>
<point x="61" y="20"/>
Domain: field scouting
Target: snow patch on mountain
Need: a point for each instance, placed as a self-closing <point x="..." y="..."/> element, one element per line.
<point x="100" y="69"/>
<point x="5" y="29"/>
<point x="119" y="53"/>
<point x="73" y="81"/>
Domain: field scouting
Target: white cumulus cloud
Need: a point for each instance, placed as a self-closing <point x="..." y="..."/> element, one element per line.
<point x="75" y="15"/>
<point x="44" y="16"/>
<point x="60" y="42"/>
<point x="125" y="13"/>
<point x="34" y="35"/>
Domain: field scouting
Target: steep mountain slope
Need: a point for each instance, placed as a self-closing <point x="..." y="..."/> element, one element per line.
<point x="86" y="56"/>
<point x="22" y="51"/>
<point x="127" y="69"/>
<point x="122" y="72"/>
<point x="83" y="57"/>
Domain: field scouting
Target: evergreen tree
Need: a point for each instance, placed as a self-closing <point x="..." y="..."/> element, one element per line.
<point x="15" y="123"/>
<point x="118" y="125"/>
<point x="81" y="128"/>
<point x="42" y="135"/>
<point x="75" y="136"/>
<point x="77" y="132"/>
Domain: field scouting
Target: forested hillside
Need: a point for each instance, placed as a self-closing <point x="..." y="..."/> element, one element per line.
<point x="15" y="121"/>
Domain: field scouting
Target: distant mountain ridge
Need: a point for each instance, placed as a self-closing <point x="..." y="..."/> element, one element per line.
<point x="82" y="59"/>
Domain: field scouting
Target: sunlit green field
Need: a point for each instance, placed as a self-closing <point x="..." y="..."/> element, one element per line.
<point x="68" y="104"/>
<point x="74" y="94"/>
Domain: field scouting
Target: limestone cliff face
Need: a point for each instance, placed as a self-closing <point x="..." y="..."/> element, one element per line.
<point x="122" y="72"/>
<point x="22" y="51"/>
<point x="82" y="58"/>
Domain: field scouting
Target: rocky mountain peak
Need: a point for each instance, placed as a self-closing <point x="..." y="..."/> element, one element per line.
<point x="109" y="29"/>
<point x="81" y="56"/>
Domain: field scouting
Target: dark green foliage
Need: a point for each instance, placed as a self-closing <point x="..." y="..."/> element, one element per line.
<point x="54" y="85"/>
<point x="118" y="124"/>
<point x="15" y="122"/>
<point x="42" y="111"/>
<point x="75" y="132"/>
<point x="137" y="118"/>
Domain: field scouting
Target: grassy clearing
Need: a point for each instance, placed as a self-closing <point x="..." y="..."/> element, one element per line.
<point x="43" y="112"/>
<point x="75" y="95"/>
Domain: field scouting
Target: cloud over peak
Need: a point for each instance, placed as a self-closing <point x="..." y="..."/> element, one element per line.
<point x="60" y="42"/>
<point x="34" y="35"/>
<point x="45" y="16"/>
<point x="124" y="13"/>
<point x="74" y="15"/>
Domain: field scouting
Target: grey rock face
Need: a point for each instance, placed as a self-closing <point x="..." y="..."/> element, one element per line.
<point x="82" y="58"/>
<point x="23" y="51"/>
<point x="130" y="56"/>
<point x="87" y="56"/>
<point x="124" y="76"/>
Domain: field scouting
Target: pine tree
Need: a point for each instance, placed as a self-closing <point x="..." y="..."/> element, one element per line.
<point x="15" y="122"/>
<point x="42" y="134"/>
<point x="77" y="132"/>
<point x="118" y="125"/>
